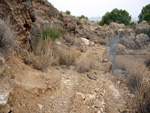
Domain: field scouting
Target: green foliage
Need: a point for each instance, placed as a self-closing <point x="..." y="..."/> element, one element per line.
<point x="119" y="16"/>
<point x="82" y="16"/>
<point x="62" y="31"/>
<point x="68" y="12"/>
<point x="145" y="31"/>
<point x="133" y="24"/>
<point x="52" y="33"/>
<point x="145" y="14"/>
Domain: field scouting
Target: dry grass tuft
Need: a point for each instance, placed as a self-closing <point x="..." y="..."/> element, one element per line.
<point x="85" y="64"/>
<point x="46" y="53"/>
<point x="42" y="55"/>
<point x="141" y="102"/>
<point x="66" y="56"/>
<point x="72" y="40"/>
<point x="135" y="76"/>
<point x="120" y="63"/>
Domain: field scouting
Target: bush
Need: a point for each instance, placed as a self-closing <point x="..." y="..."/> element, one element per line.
<point x="82" y="16"/>
<point x="144" y="31"/>
<point x="68" y="12"/>
<point x="52" y="33"/>
<point x="7" y="36"/>
<point x="133" y="24"/>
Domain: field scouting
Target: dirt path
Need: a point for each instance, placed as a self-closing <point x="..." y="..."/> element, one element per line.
<point x="62" y="90"/>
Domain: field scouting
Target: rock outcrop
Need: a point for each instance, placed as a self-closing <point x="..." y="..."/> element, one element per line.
<point x="20" y="14"/>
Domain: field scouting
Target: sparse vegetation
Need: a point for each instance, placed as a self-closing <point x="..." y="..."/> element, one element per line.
<point x="52" y="33"/>
<point x="46" y="53"/>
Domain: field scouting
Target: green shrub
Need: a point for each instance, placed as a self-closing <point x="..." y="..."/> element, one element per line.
<point x="52" y="33"/>
<point x="68" y="12"/>
<point x="145" y="31"/>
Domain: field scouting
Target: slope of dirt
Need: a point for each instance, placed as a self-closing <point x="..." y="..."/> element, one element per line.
<point x="64" y="90"/>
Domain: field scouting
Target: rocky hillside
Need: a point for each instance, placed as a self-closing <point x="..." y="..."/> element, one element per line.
<point x="67" y="75"/>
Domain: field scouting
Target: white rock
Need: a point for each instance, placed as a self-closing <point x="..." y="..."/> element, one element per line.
<point x="3" y="98"/>
<point x="85" y="41"/>
<point x="58" y="43"/>
<point x="90" y="96"/>
<point x="79" y="96"/>
<point x="40" y="106"/>
<point x="92" y="43"/>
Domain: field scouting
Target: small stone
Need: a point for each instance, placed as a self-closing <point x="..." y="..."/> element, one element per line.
<point x="2" y="61"/>
<point x="40" y="106"/>
<point x="90" y="96"/>
<point x="93" y="77"/>
<point x="97" y="103"/>
<point x="79" y="96"/>
<point x="105" y="60"/>
<point x="122" y="109"/>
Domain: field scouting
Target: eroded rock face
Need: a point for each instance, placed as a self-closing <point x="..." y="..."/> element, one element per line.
<point x="21" y="15"/>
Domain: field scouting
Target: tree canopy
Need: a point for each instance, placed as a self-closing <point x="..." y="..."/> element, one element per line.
<point x="116" y="15"/>
<point x="145" y="14"/>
